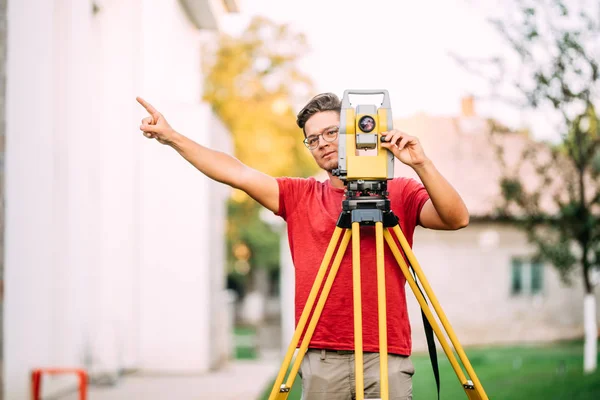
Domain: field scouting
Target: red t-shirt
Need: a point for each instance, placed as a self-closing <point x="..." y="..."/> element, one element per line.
<point x="311" y="210"/>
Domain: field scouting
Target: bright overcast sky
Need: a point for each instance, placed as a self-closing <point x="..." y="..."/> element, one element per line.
<point x="402" y="46"/>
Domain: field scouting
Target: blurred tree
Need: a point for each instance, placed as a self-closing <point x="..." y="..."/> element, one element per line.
<point x="253" y="81"/>
<point x="557" y="46"/>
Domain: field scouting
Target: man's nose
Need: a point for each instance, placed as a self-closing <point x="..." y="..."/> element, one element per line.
<point x="322" y="141"/>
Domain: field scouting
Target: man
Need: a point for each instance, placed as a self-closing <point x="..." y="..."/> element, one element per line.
<point x="311" y="209"/>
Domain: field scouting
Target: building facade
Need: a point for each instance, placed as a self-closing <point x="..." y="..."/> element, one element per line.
<point x="491" y="291"/>
<point x="114" y="245"/>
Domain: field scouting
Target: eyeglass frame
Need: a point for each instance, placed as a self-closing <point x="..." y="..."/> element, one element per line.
<point x="325" y="131"/>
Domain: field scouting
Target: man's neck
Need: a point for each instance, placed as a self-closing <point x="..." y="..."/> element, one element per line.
<point x="335" y="181"/>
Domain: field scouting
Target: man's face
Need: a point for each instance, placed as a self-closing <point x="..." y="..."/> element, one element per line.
<point x="324" y="123"/>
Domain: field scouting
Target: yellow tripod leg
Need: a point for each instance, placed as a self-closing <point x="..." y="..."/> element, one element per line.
<point x="382" y="313"/>
<point x="475" y="391"/>
<point x="281" y="392"/>
<point x="358" y="343"/>
<point x="423" y="304"/>
<point x="438" y="308"/>
<point x="305" y="313"/>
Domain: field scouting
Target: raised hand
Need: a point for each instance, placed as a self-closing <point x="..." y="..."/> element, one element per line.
<point x="156" y="126"/>
<point x="405" y="148"/>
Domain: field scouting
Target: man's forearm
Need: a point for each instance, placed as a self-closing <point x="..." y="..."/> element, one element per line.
<point x="216" y="165"/>
<point x="446" y="200"/>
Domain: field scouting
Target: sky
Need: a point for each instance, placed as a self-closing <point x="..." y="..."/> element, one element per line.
<point x="403" y="46"/>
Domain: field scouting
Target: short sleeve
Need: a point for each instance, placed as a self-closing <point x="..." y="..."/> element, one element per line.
<point x="291" y="191"/>
<point x="414" y="197"/>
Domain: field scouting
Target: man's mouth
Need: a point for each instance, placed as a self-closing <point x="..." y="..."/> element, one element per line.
<point x="328" y="154"/>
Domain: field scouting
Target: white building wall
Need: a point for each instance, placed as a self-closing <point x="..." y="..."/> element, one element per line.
<point x="112" y="240"/>
<point x="114" y="51"/>
<point x="30" y="196"/>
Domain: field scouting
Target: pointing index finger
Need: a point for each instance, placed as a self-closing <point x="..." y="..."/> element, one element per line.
<point x="148" y="107"/>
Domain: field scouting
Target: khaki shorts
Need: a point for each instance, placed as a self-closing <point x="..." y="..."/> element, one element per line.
<point x="329" y="375"/>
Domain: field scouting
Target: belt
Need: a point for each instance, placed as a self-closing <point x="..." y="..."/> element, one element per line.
<point x="335" y="351"/>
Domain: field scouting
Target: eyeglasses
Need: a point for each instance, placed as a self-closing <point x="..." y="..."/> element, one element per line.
<point x="312" y="142"/>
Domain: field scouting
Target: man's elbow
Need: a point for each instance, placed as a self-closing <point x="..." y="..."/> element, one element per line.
<point x="461" y="223"/>
<point x="458" y="222"/>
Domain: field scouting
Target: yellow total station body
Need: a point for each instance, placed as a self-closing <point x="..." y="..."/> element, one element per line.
<point x="361" y="130"/>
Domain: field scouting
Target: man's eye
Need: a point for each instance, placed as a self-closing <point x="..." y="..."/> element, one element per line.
<point x="331" y="133"/>
<point x="312" y="140"/>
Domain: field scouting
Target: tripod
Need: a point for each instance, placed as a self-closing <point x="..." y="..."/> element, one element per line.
<point x="367" y="204"/>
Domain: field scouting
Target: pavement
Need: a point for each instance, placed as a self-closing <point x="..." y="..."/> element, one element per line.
<point x="239" y="380"/>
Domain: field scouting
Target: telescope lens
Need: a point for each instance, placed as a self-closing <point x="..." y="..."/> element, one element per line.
<point x="366" y="124"/>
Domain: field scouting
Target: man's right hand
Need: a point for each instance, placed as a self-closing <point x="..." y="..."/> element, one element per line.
<point x="156" y="126"/>
<point x="216" y="165"/>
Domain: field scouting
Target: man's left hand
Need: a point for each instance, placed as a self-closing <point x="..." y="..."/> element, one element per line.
<point x="405" y="148"/>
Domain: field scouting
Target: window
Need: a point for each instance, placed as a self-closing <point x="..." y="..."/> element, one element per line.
<point x="537" y="271"/>
<point x="527" y="277"/>
<point x="517" y="277"/>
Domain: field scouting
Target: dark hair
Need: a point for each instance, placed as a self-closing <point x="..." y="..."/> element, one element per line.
<point x="319" y="103"/>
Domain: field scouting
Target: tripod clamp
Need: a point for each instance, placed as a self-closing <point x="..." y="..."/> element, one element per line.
<point x="366" y="203"/>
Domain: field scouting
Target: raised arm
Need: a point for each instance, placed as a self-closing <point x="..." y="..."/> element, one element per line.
<point x="445" y="210"/>
<point x="216" y="165"/>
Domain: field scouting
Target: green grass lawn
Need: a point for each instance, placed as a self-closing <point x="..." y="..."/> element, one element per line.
<point x="550" y="372"/>
<point x="245" y="343"/>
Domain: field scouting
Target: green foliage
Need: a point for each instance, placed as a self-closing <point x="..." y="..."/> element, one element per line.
<point x="512" y="190"/>
<point x="252" y="82"/>
<point x="559" y="207"/>
<point x="557" y="250"/>
<point x="246" y="227"/>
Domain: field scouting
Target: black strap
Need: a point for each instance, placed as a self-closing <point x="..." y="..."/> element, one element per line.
<point x="430" y="342"/>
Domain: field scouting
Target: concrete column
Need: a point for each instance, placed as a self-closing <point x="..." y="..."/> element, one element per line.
<point x="2" y="193"/>
<point x="29" y="191"/>
<point x="287" y="293"/>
